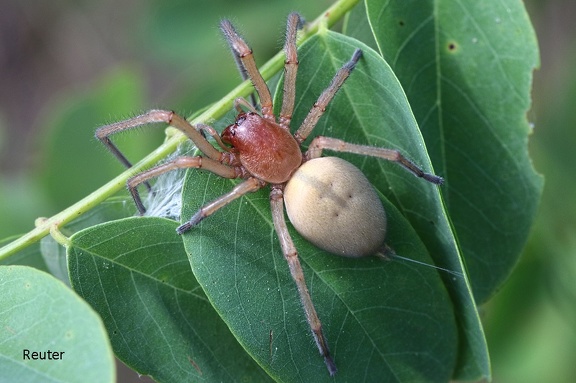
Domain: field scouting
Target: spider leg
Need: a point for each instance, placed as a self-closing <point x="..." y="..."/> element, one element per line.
<point x="291" y="256"/>
<point x="240" y="102"/>
<point x="250" y="185"/>
<point x="295" y="22"/>
<point x="244" y="52"/>
<point x="327" y="95"/>
<point x="320" y="143"/>
<point x="243" y="73"/>
<point x="155" y="116"/>
<point x="183" y="162"/>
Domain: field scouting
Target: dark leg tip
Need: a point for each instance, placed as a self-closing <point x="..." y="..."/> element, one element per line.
<point x="354" y="60"/>
<point x="332" y="370"/>
<point x="434" y="179"/>
<point x="195" y="220"/>
<point x="183" y="228"/>
<point x="356" y="55"/>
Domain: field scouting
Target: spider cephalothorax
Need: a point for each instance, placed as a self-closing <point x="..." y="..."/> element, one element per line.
<point x="265" y="149"/>
<point x="329" y="201"/>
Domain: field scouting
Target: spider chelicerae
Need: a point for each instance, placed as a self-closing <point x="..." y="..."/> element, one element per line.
<point x="328" y="200"/>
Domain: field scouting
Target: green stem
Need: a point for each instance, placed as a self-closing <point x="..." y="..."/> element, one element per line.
<point x="216" y="111"/>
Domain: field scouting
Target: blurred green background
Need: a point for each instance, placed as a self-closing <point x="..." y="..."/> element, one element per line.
<point x="67" y="67"/>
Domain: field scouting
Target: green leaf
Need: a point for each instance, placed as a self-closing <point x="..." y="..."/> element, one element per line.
<point x="54" y="254"/>
<point x="466" y="68"/>
<point x="40" y="314"/>
<point x="384" y="321"/>
<point x="48" y="255"/>
<point x="135" y="274"/>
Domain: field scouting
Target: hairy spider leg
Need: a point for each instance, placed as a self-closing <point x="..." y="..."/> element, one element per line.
<point x="213" y="162"/>
<point x="294" y="23"/>
<point x="155" y="116"/>
<point x="291" y="255"/>
<point x="245" y="54"/>
<point x="182" y="162"/>
<point x="250" y="185"/>
<point x="320" y="143"/>
<point x="327" y="95"/>
<point x="253" y="104"/>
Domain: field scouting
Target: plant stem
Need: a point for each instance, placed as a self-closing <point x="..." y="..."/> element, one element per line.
<point x="216" y="111"/>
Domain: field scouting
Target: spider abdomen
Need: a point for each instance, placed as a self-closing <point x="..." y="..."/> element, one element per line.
<point x="333" y="205"/>
<point x="264" y="148"/>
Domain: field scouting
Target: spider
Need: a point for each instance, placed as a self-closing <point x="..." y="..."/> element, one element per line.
<point x="328" y="200"/>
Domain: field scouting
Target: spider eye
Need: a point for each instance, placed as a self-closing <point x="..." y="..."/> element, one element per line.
<point x="240" y="119"/>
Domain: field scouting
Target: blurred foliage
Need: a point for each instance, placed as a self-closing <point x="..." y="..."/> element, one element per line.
<point x="166" y="58"/>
